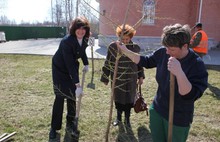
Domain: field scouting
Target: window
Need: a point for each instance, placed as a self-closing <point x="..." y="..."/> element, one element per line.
<point x="149" y="12"/>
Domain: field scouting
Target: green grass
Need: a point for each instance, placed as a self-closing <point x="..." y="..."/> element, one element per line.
<point x="26" y="99"/>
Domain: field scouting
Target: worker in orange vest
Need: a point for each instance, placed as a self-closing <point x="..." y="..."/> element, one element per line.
<point x="199" y="41"/>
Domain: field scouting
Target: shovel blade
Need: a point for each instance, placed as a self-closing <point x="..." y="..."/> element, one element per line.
<point x="70" y="137"/>
<point x="91" y="85"/>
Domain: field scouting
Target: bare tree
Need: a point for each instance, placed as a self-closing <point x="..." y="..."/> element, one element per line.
<point x="86" y="9"/>
<point x="3" y="6"/>
<point x="63" y="11"/>
<point x="3" y="18"/>
<point x="58" y="14"/>
<point x="68" y="11"/>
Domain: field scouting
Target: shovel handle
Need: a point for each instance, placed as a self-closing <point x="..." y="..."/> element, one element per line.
<point x="83" y="79"/>
<point x="171" y="107"/>
<point x="80" y="96"/>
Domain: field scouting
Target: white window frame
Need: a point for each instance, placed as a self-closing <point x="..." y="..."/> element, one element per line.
<point x="149" y="12"/>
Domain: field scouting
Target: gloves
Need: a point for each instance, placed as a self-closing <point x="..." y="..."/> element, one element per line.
<point x="86" y="68"/>
<point x="78" y="91"/>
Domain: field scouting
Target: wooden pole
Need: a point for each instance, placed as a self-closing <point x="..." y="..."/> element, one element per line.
<point x="171" y="107"/>
<point x="92" y="43"/>
<point x="115" y="75"/>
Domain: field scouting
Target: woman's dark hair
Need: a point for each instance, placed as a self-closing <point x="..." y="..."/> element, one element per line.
<point x="78" y="23"/>
<point x="176" y="35"/>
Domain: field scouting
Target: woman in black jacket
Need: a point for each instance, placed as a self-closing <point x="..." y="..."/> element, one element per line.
<point x="65" y="73"/>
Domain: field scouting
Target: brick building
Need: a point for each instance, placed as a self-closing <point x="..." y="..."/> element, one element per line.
<point x="155" y="15"/>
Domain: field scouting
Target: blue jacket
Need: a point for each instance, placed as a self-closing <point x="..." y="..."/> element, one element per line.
<point x="195" y="71"/>
<point x="65" y="64"/>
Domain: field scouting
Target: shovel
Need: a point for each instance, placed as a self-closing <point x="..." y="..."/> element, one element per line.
<point x="91" y="84"/>
<point x="91" y="42"/>
<point x="171" y="107"/>
<point x="75" y="135"/>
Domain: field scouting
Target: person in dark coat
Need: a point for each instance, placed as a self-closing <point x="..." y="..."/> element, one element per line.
<point x="65" y="73"/>
<point x="128" y="75"/>
<point x="191" y="80"/>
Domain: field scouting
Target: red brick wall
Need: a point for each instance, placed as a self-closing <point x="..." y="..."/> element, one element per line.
<point x="167" y="12"/>
<point x="211" y="18"/>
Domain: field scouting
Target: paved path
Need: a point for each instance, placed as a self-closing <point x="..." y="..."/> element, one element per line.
<point x="49" y="47"/>
<point x="43" y="47"/>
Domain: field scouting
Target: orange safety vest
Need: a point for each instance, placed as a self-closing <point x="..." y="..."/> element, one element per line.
<point x="203" y="45"/>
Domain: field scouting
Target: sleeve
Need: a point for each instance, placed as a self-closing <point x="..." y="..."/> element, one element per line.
<point x="151" y="61"/>
<point x="140" y="69"/>
<point x="199" y="81"/>
<point x="197" y="40"/>
<point x="84" y="58"/>
<point x="140" y="72"/>
<point x="106" y="69"/>
<point x="70" y="62"/>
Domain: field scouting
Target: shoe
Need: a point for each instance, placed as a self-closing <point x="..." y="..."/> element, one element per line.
<point x="69" y="126"/>
<point x="52" y="134"/>
<point x="116" y="122"/>
<point x="75" y="134"/>
<point x="127" y="123"/>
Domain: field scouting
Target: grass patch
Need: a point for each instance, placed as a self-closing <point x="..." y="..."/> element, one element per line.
<point x="26" y="100"/>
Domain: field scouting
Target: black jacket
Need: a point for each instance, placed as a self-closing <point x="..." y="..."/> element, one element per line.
<point x="65" y="64"/>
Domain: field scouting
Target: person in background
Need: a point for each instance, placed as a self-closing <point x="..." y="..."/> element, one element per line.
<point x="199" y="41"/>
<point x="128" y="75"/>
<point x="190" y="82"/>
<point x="65" y="73"/>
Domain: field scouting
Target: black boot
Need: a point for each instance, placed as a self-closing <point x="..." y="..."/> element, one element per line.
<point x="118" y="120"/>
<point x="127" y="118"/>
<point x="69" y="127"/>
<point x="127" y="122"/>
<point x="75" y="133"/>
<point x="52" y="134"/>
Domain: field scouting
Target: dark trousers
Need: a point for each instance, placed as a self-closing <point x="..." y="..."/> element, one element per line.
<point x="58" y="106"/>
<point x="126" y="108"/>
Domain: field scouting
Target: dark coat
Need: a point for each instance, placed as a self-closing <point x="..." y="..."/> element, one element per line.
<point x="65" y="64"/>
<point x="127" y="75"/>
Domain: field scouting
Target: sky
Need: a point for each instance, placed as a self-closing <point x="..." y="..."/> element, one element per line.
<point x="31" y="10"/>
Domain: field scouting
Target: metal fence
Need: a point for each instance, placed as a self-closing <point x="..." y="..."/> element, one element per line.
<point x="22" y="32"/>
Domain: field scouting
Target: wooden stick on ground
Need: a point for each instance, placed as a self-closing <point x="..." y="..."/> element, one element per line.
<point x="171" y="107"/>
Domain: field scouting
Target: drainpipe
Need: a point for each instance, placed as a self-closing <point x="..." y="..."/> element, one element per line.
<point x="200" y="10"/>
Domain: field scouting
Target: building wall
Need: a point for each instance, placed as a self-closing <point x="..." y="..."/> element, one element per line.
<point x="167" y="12"/>
<point x="210" y="18"/>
